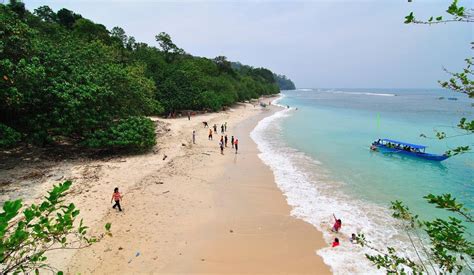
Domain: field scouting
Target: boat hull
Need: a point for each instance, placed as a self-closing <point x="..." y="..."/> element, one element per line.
<point x="427" y="156"/>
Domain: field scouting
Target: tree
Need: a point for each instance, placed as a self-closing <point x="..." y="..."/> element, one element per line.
<point x="446" y="248"/>
<point x="457" y="13"/>
<point x="67" y="18"/>
<point x="18" y="7"/>
<point x="91" y="31"/>
<point x="66" y="80"/>
<point x="224" y="65"/>
<point x="443" y="244"/>
<point x="132" y="133"/>
<point x="119" y="34"/>
<point x="283" y="82"/>
<point x="462" y="82"/>
<point x="8" y="136"/>
<point x="46" y="14"/>
<point x="167" y="46"/>
<point x="63" y="90"/>
<point x="131" y="43"/>
<point x="265" y="74"/>
<point x="27" y="236"/>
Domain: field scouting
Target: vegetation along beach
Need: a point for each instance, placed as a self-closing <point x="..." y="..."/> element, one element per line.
<point x="246" y="137"/>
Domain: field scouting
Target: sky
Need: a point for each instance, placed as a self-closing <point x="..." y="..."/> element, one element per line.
<point x="319" y="43"/>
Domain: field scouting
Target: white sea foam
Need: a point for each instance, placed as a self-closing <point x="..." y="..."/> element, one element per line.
<point x="356" y="93"/>
<point x="277" y="101"/>
<point x="314" y="198"/>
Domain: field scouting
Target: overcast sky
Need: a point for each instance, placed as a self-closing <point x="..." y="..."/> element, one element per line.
<point x="343" y="44"/>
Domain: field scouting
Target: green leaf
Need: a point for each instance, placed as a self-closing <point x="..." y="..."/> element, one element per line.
<point x="108" y="226"/>
<point x="452" y="9"/>
<point x="409" y="18"/>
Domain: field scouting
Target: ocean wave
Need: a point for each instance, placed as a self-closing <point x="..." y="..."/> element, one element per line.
<point x="314" y="197"/>
<point x="304" y="90"/>
<point x="356" y="93"/>
<point x="277" y="101"/>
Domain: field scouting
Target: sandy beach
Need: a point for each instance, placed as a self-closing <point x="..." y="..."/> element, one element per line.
<point x="196" y="211"/>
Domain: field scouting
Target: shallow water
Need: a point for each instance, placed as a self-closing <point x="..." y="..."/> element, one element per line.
<point x="321" y="160"/>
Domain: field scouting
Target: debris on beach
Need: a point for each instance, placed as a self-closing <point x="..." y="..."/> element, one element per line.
<point x="136" y="255"/>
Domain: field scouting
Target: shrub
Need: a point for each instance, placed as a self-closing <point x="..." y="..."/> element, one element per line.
<point x="133" y="133"/>
<point x="8" y="136"/>
<point x="27" y="233"/>
<point x="210" y="100"/>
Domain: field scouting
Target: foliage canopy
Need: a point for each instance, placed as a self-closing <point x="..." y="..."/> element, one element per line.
<point x="28" y="233"/>
<point x="66" y="79"/>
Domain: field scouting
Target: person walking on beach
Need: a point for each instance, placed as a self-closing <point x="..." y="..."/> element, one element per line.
<point x="236" y="145"/>
<point x="205" y="124"/>
<point x="189" y="115"/>
<point x="225" y="140"/>
<point x="117" y="197"/>
<point x="225" y="126"/>
<point x="221" y="145"/>
<point x="194" y="137"/>
<point x="232" y="142"/>
<point x="222" y="128"/>
<point x="337" y="225"/>
<point x="215" y="128"/>
<point x="210" y="135"/>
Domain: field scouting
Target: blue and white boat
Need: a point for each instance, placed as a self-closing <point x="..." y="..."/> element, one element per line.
<point x="404" y="148"/>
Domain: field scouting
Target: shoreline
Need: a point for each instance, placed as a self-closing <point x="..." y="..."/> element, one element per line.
<point x="252" y="230"/>
<point x="195" y="212"/>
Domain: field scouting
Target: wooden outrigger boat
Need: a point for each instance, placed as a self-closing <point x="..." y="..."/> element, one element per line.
<point x="400" y="147"/>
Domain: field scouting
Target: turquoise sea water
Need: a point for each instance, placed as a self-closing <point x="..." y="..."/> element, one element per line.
<point x="327" y="166"/>
<point x="337" y="128"/>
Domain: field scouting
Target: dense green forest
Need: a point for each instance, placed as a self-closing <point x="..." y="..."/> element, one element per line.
<point x="65" y="79"/>
<point x="284" y="83"/>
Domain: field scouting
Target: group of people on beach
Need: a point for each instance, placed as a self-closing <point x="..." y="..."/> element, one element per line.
<point x="336" y="227"/>
<point x="224" y="140"/>
<point x="223" y="143"/>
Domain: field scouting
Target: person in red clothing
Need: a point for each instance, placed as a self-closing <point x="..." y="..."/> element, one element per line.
<point x="117" y="197"/>
<point x="335" y="243"/>
<point x="337" y="225"/>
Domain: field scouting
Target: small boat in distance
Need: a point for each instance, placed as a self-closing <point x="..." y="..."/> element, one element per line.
<point x="400" y="147"/>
